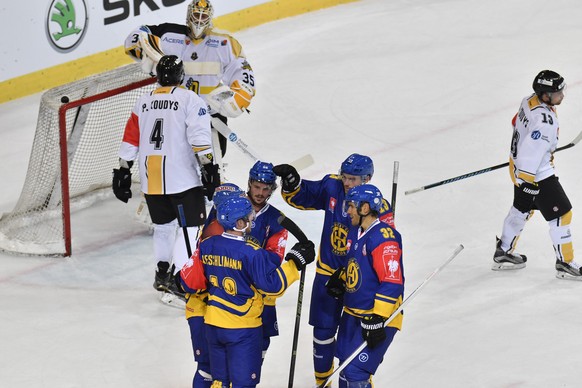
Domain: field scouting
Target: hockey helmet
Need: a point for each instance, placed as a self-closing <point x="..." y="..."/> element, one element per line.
<point x="359" y="165"/>
<point x="548" y="81"/>
<point x="199" y="17"/>
<point x="232" y="210"/>
<point x="170" y="70"/>
<point x="225" y="191"/>
<point x="263" y="172"/>
<point x="364" y="193"/>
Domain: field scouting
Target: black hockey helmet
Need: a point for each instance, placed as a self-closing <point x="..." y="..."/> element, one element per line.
<point x="170" y="70"/>
<point x="548" y="81"/>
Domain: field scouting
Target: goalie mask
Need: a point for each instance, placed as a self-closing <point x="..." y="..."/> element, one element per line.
<point x="199" y="18"/>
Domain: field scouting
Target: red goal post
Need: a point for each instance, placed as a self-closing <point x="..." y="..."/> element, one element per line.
<point x="79" y="129"/>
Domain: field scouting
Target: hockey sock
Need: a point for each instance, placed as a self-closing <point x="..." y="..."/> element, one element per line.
<point x="164" y="237"/>
<point x="180" y="253"/>
<point x="202" y="378"/>
<point x="512" y="227"/>
<point x="323" y="353"/>
<point x="562" y="238"/>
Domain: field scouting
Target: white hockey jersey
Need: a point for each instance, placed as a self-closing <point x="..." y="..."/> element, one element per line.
<point x="535" y="138"/>
<point x="216" y="59"/>
<point x="167" y="127"/>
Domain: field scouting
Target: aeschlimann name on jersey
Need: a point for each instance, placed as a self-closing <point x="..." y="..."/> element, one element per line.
<point x="221" y="261"/>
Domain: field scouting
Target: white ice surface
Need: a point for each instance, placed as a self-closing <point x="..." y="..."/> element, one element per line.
<point x="432" y="84"/>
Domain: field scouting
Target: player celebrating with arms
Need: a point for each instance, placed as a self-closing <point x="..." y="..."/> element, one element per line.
<point x="328" y="194"/>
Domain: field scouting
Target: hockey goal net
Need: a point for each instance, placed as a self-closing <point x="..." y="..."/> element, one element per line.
<point x="79" y="129"/>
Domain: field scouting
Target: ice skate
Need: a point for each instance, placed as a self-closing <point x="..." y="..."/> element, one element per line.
<point x="568" y="271"/>
<point x="162" y="277"/>
<point x="507" y="261"/>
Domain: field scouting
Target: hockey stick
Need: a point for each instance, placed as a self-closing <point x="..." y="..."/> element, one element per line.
<point x="234" y="138"/>
<point x="301" y="237"/>
<point x="182" y="222"/>
<point x="394" y="186"/>
<point x="406" y="301"/>
<point x="478" y="172"/>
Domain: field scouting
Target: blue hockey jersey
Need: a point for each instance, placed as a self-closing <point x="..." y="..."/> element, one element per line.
<point x="328" y="195"/>
<point x="374" y="272"/>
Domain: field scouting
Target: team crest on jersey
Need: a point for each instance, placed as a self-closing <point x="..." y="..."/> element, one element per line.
<point x="338" y="239"/>
<point x="194" y="56"/>
<point x="353" y="276"/>
<point x="536" y="135"/>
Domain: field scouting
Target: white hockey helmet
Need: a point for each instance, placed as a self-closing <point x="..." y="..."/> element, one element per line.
<point x="199" y="18"/>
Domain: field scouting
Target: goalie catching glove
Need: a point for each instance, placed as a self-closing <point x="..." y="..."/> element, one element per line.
<point x="301" y="254"/>
<point x="121" y="184"/>
<point x="230" y="102"/>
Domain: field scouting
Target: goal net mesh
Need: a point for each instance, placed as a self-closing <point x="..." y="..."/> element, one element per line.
<point x="94" y="130"/>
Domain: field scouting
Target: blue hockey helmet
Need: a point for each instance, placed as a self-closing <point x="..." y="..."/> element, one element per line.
<point x="364" y="193"/>
<point x="225" y="191"/>
<point x="232" y="210"/>
<point x="359" y="165"/>
<point x="262" y="172"/>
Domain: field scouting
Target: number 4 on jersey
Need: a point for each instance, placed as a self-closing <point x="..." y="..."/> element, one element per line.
<point x="157" y="135"/>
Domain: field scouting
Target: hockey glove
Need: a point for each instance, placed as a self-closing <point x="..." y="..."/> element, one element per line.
<point x="122" y="183"/>
<point x="230" y="102"/>
<point x="290" y="178"/>
<point x="373" y="330"/>
<point x="336" y="285"/>
<point x="302" y="254"/>
<point x="210" y="179"/>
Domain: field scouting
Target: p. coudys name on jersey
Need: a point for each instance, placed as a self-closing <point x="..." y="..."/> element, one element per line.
<point x="161" y="104"/>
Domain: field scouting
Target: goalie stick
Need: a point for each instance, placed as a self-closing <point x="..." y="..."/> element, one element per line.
<point x="406" y="301"/>
<point x="478" y="172"/>
<point x="300" y="236"/>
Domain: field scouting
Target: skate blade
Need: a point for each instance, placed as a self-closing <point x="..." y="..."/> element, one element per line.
<point x="567" y="276"/>
<point x="506" y="266"/>
<point x="172" y="300"/>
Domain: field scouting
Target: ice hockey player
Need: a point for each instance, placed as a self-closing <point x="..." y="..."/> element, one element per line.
<point x="266" y="233"/>
<point x="535" y="185"/>
<point x="328" y="194"/>
<point x="215" y="64"/>
<point x="238" y="273"/>
<point x="373" y="287"/>
<point x="169" y="133"/>
<point x="196" y="302"/>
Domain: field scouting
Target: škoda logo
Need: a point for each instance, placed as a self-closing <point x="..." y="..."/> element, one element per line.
<point x="66" y="24"/>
